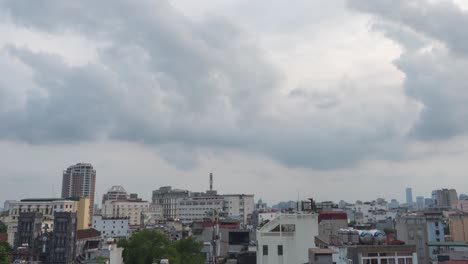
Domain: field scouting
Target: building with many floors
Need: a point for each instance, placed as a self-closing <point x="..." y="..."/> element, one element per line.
<point x="79" y="180"/>
<point x="168" y="199"/>
<point x="111" y="227"/>
<point x="421" y="229"/>
<point x="445" y="198"/>
<point x="131" y="209"/>
<point x="46" y="206"/>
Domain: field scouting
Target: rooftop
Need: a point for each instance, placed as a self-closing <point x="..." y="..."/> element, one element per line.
<point x="87" y="233"/>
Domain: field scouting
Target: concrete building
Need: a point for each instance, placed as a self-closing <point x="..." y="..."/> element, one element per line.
<point x="63" y="242"/>
<point x="83" y="214"/>
<point x="198" y="207"/>
<point x="46" y="206"/>
<point x="115" y="193"/>
<point x="420" y="203"/>
<point x="240" y="206"/>
<point x="446" y="198"/>
<point x="379" y="254"/>
<point x="321" y="255"/>
<point x="330" y="222"/>
<point x="168" y="199"/>
<point x="458" y="225"/>
<point x="29" y="228"/>
<point x="131" y="209"/>
<point x="79" y="181"/>
<point x="463" y="205"/>
<point x="409" y="196"/>
<point x="111" y="227"/>
<point x="287" y="239"/>
<point x="419" y="230"/>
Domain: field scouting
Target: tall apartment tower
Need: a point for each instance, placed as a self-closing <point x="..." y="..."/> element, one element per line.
<point x="79" y="181"/>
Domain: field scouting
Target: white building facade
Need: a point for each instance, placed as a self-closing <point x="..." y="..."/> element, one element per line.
<point x="239" y="206"/>
<point x="111" y="227"/>
<point x="199" y="207"/>
<point x="287" y="238"/>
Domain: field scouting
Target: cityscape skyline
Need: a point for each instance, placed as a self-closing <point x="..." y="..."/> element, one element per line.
<point x="321" y="97"/>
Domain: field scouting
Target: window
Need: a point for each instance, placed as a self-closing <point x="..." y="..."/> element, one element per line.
<point x="280" y="250"/>
<point x="265" y="250"/>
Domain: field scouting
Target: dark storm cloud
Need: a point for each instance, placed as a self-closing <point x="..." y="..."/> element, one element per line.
<point x="161" y="79"/>
<point x="435" y="59"/>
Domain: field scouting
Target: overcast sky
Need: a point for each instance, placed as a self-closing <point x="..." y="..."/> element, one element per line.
<point x="342" y="99"/>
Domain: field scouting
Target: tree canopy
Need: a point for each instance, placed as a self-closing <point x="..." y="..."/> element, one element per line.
<point x="5" y="249"/>
<point x="150" y="246"/>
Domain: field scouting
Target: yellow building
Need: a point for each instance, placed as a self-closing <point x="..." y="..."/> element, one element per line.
<point x="83" y="213"/>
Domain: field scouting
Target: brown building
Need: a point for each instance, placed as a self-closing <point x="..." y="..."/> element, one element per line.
<point x="458" y="224"/>
<point x="79" y="181"/>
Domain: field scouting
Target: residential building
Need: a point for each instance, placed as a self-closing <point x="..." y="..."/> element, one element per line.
<point x="409" y="196"/>
<point x="463" y="205"/>
<point x="446" y="198"/>
<point x="364" y="254"/>
<point x="419" y="230"/>
<point x="111" y="227"/>
<point x="130" y="209"/>
<point x="63" y="242"/>
<point x="79" y="181"/>
<point x="287" y="238"/>
<point x="444" y="252"/>
<point x="458" y="226"/>
<point x="168" y="199"/>
<point x="239" y="206"/>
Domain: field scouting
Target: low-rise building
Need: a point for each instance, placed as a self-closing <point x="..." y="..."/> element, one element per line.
<point x="111" y="227"/>
<point x="287" y="238"/>
<point x="130" y="209"/>
<point x="458" y="226"/>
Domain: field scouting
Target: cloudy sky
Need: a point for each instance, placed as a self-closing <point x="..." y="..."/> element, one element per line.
<point x="342" y="99"/>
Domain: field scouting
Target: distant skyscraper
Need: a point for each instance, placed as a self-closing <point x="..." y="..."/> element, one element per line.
<point x="79" y="181"/>
<point x="419" y="202"/>
<point x="409" y="196"/>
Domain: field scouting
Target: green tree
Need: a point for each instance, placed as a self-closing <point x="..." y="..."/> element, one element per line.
<point x="190" y="251"/>
<point x="3" y="228"/>
<point x="148" y="246"/>
<point x="5" y="250"/>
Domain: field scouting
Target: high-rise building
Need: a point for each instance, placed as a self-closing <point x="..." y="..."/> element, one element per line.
<point x="409" y="196"/>
<point x="420" y="202"/>
<point x="446" y="198"/>
<point x="79" y="181"/>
